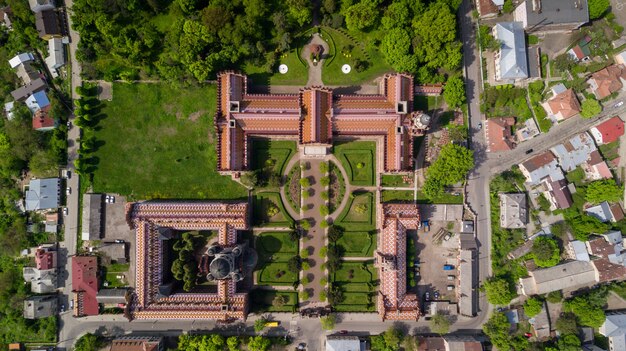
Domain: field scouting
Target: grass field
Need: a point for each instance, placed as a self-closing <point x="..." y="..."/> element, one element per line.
<point x="332" y="74"/>
<point x="352" y="219"/>
<point x="397" y="195"/>
<point x="274" y="250"/>
<point x="297" y="74"/>
<point x="111" y="273"/>
<point x="157" y="141"/>
<point x="261" y="202"/>
<point x="266" y="152"/>
<point x="358" y="280"/>
<point x="262" y="300"/>
<point x="444" y="198"/>
<point x="394" y="180"/>
<point x="358" y="160"/>
<point x="610" y="151"/>
<point x="357" y="244"/>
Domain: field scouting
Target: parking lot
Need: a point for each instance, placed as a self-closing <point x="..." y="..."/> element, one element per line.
<point x="116" y="228"/>
<point x="434" y="253"/>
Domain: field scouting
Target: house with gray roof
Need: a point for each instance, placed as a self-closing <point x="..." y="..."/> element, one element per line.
<point x="578" y="250"/>
<point x="92" y="217"/>
<point x="23" y="92"/>
<point x="42" y="194"/>
<point x="574" y="152"/>
<point x="40" y="306"/>
<point x="541" y="167"/>
<point x="56" y="59"/>
<point x="614" y="328"/>
<point x="552" y="16"/>
<point x="511" y="61"/>
<point x="513" y="210"/>
<point x="567" y="276"/>
<point x="111" y="296"/>
<point x="466" y="292"/>
<point x="606" y="212"/>
<point x="41" y="5"/>
<point x="42" y="281"/>
<point x="344" y="343"/>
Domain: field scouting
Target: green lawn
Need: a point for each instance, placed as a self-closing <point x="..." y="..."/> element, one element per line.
<point x="275" y="153"/>
<point x="426" y="103"/>
<point x="353" y="280"/>
<point x="262" y="300"/>
<point x="274" y="250"/>
<point x="111" y="273"/>
<point x="397" y="195"/>
<point x="332" y="74"/>
<point x="358" y="159"/>
<point x="297" y="74"/>
<point x="394" y="180"/>
<point x="261" y="202"/>
<point x="445" y="198"/>
<point x="157" y="141"/>
<point x="576" y="176"/>
<point x="357" y="244"/>
<point x="353" y="218"/>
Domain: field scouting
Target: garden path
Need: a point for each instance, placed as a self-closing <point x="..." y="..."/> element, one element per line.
<point x="315" y="71"/>
<point x="317" y="234"/>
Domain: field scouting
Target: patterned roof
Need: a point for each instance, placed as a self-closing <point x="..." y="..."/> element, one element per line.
<point x="312" y="117"/>
<point x="147" y="218"/>
<point x="394" y="302"/>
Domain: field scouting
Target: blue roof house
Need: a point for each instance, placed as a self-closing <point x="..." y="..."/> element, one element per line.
<point x="511" y="61"/>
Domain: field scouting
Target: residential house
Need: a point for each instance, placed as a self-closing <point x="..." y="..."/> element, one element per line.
<point x="344" y="343"/>
<point x="23" y="92"/>
<point x="22" y="64"/>
<point x="37" y="101"/>
<point x="511" y="61"/>
<point x="606" y="212"/>
<point x="42" y="121"/>
<point x="614" y="328"/>
<point x="42" y="281"/>
<point x="567" y="276"/>
<point x="48" y="24"/>
<point x="41" y="5"/>
<point x="466" y="291"/>
<point x="581" y="51"/>
<point x="112" y="296"/>
<point x="489" y="8"/>
<point x="8" y="109"/>
<point x="462" y="343"/>
<point x="115" y="251"/>
<point x="563" y="104"/>
<point x="609" y="256"/>
<point x="596" y="168"/>
<point x="467" y="227"/>
<point x="42" y="194"/>
<point x="574" y="152"/>
<point x="608" y="131"/>
<point x="499" y="137"/>
<point x="545" y="16"/>
<point x="577" y="250"/>
<point x="45" y="258"/>
<point x="40" y="306"/>
<point x="513" y="211"/>
<point x="92" y="217"/>
<point x="5" y="17"/>
<point x="528" y="131"/>
<point x="56" y="59"/>
<point x="541" y="167"/>
<point x="434" y="343"/>
<point x="540" y="323"/>
<point x="558" y="194"/>
<point x="85" y="285"/>
<point x="138" y="343"/>
<point x="51" y="223"/>
<point x="620" y="58"/>
<point x="607" y="81"/>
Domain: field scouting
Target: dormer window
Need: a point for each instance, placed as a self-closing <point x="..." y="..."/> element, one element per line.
<point x="399" y="130"/>
<point x="234" y="106"/>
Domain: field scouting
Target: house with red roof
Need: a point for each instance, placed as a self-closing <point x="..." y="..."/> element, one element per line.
<point x="499" y="137"/>
<point x="563" y="105"/>
<point x="607" y="81"/>
<point x="42" y="120"/>
<point x="45" y="258"/>
<point x="489" y="8"/>
<point x="85" y="284"/>
<point x="608" y="131"/>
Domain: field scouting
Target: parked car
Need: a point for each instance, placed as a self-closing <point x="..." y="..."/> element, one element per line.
<point x="619" y="104"/>
<point x="68" y="191"/>
<point x="427" y="296"/>
<point x="480" y="126"/>
<point x="447" y="237"/>
<point x="71" y="304"/>
<point x="62" y="308"/>
<point x="65" y="211"/>
<point x="450" y="287"/>
<point x="448" y="267"/>
<point x="119" y="241"/>
<point x="109" y="199"/>
<point x="69" y="125"/>
<point x="68" y="174"/>
<point x="436" y="295"/>
<point x="343" y="332"/>
<point x="529" y="151"/>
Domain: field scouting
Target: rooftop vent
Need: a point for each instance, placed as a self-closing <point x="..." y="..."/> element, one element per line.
<point x="234" y="106"/>
<point x="232" y="123"/>
<point x="399" y="130"/>
<point x="401" y="107"/>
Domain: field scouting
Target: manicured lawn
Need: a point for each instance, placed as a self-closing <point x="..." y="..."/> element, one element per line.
<point x="157" y="141"/>
<point x="297" y="74"/>
<point x="426" y="103"/>
<point x="358" y="160"/>
<point x="118" y="267"/>
<point x="337" y="187"/>
<point x="274" y="250"/>
<point x="576" y="176"/>
<point x="357" y="244"/>
<point x="267" y="152"/>
<point x="394" y="180"/>
<point x="262" y="300"/>
<point x="112" y="271"/>
<point x="397" y="195"/>
<point x="261" y="203"/>
<point x="444" y="198"/>
<point x="353" y="280"/>
<point x="332" y="74"/>
<point x="359" y="214"/>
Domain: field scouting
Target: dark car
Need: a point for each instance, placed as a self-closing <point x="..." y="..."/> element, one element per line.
<point x="529" y="151"/>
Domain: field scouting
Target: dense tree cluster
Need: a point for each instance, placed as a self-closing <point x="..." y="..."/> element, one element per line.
<point x="184" y="267"/>
<point x="545" y="252"/>
<point x="533" y="306"/>
<point x="587" y="311"/>
<point x="603" y="190"/>
<point x="597" y="8"/>
<point x="215" y="342"/>
<point x="388" y="341"/>
<point x="499" y="291"/>
<point x="498" y="329"/>
<point x="451" y="167"/>
<point x="590" y="107"/>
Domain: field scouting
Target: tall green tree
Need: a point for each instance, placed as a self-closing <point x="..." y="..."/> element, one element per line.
<point x="590" y="108"/>
<point x="533" y="306"/>
<point x="388" y="341"/>
<point x="545" y="252"/>
<point x="603" y="190"/>
<point x="435" y="37"/>
<point x="440" y="324"/>
<point x="361" y="15"/>
<point x="499" y="291"/>
<point x="454" y="92"/>
<point x="259" y="343"/>
<point x="586" y="313"/>
<point x="597" y="8"/>
<point x="451" y="167"/>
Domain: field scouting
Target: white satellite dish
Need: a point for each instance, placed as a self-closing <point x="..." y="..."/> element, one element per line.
<point x="283" y="68"/>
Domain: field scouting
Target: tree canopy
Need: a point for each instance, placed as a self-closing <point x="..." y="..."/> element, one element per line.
<point x="603" y="190"/>
<point x="396" y="46"/>
<point x="454" y="92"/>
<point x="586" y="312"/>
<point x="585" y="225"/>
<point x="498" y="329"/>
<point x="439" y="323"/>
<point x="361" y="15"/>
<point x="435" y="32"/>
<point x="590" y="107"/>
<point x="328" y="322"/>
<point x="499" y="291"/>
<point x="545" y="252"/>
<point x="387" y="341"/>
<point x="452" y="165"/>
<point x="597" y="8"/>
<point x="533" y="306"/>
<point x="88" y="342"/>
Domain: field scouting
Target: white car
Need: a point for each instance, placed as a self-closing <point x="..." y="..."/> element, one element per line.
<point x="65" y="211"/>
<point x="68" y="191"/>
<point x="619" y="104"/>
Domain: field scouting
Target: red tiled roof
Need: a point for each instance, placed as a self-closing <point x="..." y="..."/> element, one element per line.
<point x="85" y="285"/>
<point x="566" y="104"/>
<point x="539" y="161"/>
<point x="499" y="134"/>
<point x="44" y="259"/>
<point x="429" y="89"/>
<point x="608" y="271"/>
<point x="42" y="119"/>
<point x="487" y="7"/>
<point x="607" y="81"/>
<point x="611" y="129"/>
<point x="135" y="344"/>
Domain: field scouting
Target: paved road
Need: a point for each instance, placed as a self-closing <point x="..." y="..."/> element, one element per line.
<point x="478" y="181"/>
<point x="499" y="162"/>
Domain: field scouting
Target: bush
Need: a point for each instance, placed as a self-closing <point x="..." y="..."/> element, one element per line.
<point x="305" y="182"/>
<point x="328" y="322"/>
<point x="294" y="264"/>
<point x="322" y="253"/>
<point x="324" y="211"/>
<point x="325" y="181"/>
<point x="555" y="296"/>
<point x="545" y="252"/>
<point x="272" y="210"/>
<point x="304" y="295"/>
<point x="533" y="306"/>
<point x="324" y="195"/>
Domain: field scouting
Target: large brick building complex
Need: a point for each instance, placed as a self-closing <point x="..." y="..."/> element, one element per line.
<point x="156" y="297"/>
<point x="314" y="117"/>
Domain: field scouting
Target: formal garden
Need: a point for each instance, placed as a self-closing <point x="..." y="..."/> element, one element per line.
<point x="358" y="281"/>
<point x="264" y="300"/>
<point x="336" y="187"/>
<point x="358" y="159"/>
<point x="269" y="210"/>
<point x="359" y="213"/>
<point x="358" y="244"/>
<point x="139" y="149"/>
<point x="268" y="159"/>
<point x="275" y="250"/>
